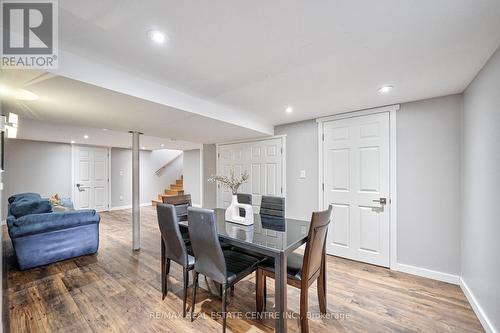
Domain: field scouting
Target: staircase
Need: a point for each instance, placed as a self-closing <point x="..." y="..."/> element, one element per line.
<point x="175" y="189"/>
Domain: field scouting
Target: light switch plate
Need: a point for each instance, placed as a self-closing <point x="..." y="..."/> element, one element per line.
<point x="302" y="174"/>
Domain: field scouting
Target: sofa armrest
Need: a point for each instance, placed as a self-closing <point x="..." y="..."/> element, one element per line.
<point x="41" y="223"/>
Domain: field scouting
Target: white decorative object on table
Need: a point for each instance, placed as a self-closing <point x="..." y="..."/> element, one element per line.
<point x="233" y="211"/>
<point x="238" y="231"/>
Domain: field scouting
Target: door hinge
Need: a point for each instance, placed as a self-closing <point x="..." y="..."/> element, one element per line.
<point x="282" y="190"/>
<point x="218" y="155"/>
<point x="323" y="187"/>
<point x="323" y="137"/>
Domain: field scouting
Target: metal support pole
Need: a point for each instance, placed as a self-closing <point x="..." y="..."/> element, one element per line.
<point x="136" y="214"/>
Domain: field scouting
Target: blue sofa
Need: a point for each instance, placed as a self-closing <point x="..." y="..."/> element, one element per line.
<point x="40" y="236"/>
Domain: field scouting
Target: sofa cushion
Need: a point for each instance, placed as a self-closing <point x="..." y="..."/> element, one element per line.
<point x="42" y="223"/>
<point x="28" y="206"/>
<point x="28" y="195"/>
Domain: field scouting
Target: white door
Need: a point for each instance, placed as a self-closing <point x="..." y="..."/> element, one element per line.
<point x="263" y="160"/>
<point x="356" y="182"/>
<point x="90" y="178"/>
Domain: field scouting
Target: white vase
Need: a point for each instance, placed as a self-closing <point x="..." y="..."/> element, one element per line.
<point x="233" y="212"/>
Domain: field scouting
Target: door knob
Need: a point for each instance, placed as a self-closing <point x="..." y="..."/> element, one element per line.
<point x="79" y="188"/>
<point x="381" y="201"/>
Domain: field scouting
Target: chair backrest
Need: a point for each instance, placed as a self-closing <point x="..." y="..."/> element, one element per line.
<point x="205" y="243"/>
<point x="244" y="199"/>
<point x="274" y="206"/>
<point x="181" y="203"/>
<point x="316" y="240"/>
<point x="175" y="249"/>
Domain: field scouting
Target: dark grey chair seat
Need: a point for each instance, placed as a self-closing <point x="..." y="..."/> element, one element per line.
<point x="223" y="266"/>
<point x="239" y="265"/>
<point x="175" y="247"/>
<point x="294" y="265"/>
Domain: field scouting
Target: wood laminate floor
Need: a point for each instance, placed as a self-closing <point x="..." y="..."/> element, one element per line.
<point x="118" y="290"/>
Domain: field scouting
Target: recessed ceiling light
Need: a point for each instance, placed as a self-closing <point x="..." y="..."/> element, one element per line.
<point x="385" y="89"/>
<point x="104" y="129"/>
<point x="289" y="109"/>
<point x="157" y="36"/>
<point x="162" y="145"/>
<point x="143" y="148"/>
<point x="85" y="136"/>
<point x="72" y="141"/>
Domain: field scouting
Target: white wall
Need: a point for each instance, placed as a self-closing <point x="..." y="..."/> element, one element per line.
<point x="32" y="166"/>
<point x="209" y="169"/>
<point x="45" y="168"/>
<point x="192" y="171"/>
<point x="428" y="166"/>
<point x="481" y="192"/>
<point x="150" y="184"/>
<point x="301" y="154"/>
<point x="428" y="183"/>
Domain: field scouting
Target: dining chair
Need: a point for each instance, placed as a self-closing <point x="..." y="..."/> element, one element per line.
<point x="274" y="206"/>
<point x="181" y="203"/>
<point x="302" y="270"/>
<point x="225" y="267"/>
<point x="173" y="248"/>
<point x="244" y="199"/>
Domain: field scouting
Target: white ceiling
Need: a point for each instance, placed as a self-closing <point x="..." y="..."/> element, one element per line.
<point x="230" y="68"/>
<point x="320" y="57"/>
<point x="67" y="106"/>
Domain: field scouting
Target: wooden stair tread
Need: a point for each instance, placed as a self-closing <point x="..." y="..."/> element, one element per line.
<point x="174" y="190"/>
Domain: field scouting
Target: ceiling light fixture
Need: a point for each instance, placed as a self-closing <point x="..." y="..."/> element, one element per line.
<point x="85" y="136"/>
<point x="72" y="141"/>
<point x="157" y="36"/>
<point x="162" y="145"/>
<point x="104" y="129"/>
<point x="289" y="109"/>
<point x="385" y="89"/>
<point x="20" y="94"/>
<point x="143" y="148"/>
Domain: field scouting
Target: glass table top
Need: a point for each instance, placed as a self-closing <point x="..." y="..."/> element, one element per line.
<point x="271" y="232"/>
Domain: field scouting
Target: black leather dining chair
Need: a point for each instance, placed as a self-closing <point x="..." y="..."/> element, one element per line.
<point x="244" y="199"/>
<point x="181" y="204"/>
<point x="302" y="270"/>
<point x="225" y="267"/>
<point x="273" y="206"/>
<point x="173" y="248"/>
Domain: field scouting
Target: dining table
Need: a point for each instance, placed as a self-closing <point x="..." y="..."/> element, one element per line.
<point x="273" y="237"/>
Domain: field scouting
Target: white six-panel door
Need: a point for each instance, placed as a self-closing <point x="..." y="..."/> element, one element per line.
<point x="263" y="160"/>
<point x="90" y="178"/>
<point x="356" y="176"/>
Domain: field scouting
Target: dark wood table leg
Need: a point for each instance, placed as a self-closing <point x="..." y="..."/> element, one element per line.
<point x="322" y="285"/>
<point x="280" y="281"/>
<point x="163" y="272"/>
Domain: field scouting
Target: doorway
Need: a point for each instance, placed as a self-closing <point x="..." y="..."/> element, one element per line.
<point x="355" y="178"/>
<point x="90" y="177"/>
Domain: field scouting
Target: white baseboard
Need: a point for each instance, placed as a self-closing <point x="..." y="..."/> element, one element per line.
<point x="427" y="273"/>
<point x="478" y="310"/>
<point x="129" y="206"/>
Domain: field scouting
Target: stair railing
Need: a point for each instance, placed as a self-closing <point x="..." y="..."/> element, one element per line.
<point x="160" y="170"/>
